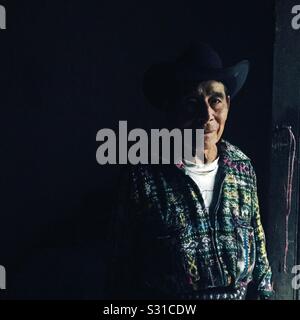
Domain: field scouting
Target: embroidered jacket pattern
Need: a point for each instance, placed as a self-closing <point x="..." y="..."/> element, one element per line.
<point x="165" y="240"/>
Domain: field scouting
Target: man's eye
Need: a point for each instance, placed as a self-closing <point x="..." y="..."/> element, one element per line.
<point x="191" y="106"/>
<point x="215" y="101"/>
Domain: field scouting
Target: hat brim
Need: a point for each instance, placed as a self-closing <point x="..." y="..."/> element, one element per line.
<point x="160" y="80"/>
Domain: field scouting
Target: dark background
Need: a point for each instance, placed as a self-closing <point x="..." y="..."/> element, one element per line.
<point x="70" y="68"/>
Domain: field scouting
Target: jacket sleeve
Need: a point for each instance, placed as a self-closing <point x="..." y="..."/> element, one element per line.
<point x="122" y="264"/>
<point x="262" y="271"/>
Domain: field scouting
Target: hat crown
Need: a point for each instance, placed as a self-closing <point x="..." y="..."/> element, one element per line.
<point x="201" y="56"/>
<point x="200" y="62"/>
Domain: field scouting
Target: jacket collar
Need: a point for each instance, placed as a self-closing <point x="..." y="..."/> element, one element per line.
<point x="228" y="154"/>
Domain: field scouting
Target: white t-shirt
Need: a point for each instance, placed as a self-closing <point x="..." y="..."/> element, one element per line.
<point x="204" y="176"/>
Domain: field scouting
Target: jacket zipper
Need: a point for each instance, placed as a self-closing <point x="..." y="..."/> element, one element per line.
<point x="214" y="237"/>
<point x="196" y="189"/>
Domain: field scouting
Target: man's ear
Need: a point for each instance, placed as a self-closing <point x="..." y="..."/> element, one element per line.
<point x="228" y="101"/>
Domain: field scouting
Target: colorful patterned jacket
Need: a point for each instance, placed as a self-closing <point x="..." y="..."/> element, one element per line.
<point x="167" y="245"/>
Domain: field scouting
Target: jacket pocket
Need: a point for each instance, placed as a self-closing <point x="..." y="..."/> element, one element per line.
<point x="245" y="245"/>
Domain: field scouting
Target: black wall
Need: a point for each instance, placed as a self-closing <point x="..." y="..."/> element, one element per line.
<point x="70" y="68"/>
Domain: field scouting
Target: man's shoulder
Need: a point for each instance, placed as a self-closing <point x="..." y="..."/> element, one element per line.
<point x="139" y="172"/>
<point x="232" y="152"/>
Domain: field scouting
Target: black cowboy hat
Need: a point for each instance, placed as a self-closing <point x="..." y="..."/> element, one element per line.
<point x="199" y="63"/>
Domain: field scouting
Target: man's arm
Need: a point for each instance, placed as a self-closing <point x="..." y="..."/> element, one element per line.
<point x="262" y="271"/>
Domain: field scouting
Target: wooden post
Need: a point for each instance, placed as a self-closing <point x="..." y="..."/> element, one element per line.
<point x="283" y="215"/>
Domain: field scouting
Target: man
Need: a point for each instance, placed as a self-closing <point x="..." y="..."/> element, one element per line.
<point x="191" y="230"/>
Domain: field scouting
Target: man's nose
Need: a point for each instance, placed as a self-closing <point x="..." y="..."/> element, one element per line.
<point x="206" y="112"/>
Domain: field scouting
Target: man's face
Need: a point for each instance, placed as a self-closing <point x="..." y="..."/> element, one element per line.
<point x="204" y="106"/>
